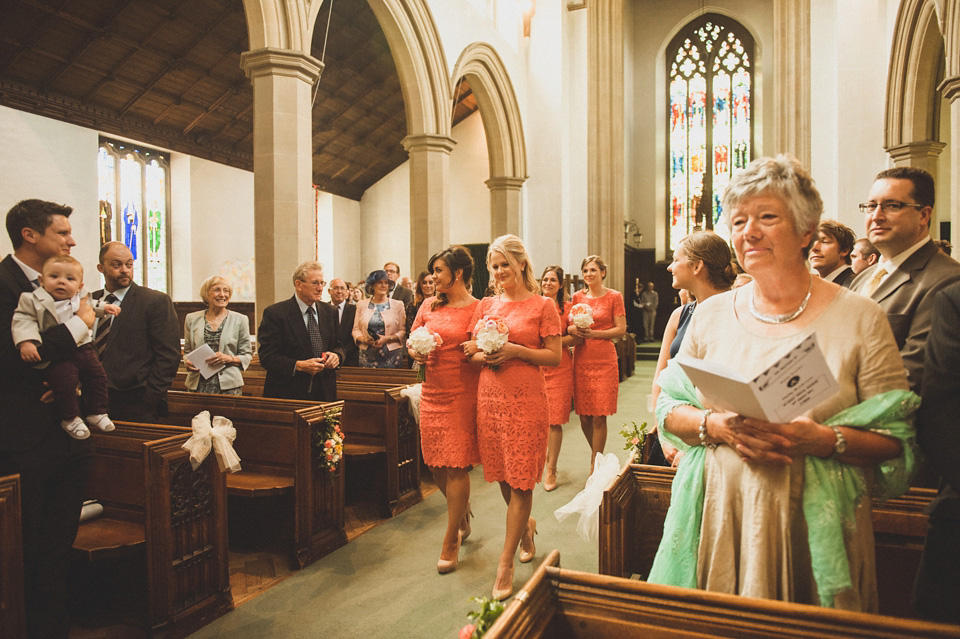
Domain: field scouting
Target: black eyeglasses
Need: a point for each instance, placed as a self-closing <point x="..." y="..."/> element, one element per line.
<point x="890" y="206"/>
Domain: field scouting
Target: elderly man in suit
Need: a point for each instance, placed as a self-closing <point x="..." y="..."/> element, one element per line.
<point x="397" y="292"/>
<point x="300" y="342"/>
<point x="911" y="269"/>
<point x="53" y="466"/>
<point x="830" y="253"/>
<point x="346" y="312"/>
<point x="140" y="347"/>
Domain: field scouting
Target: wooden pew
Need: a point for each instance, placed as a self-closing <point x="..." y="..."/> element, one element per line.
<point x="13" y="622"/>
<point x="635" y="505"/>
<point x="164" y="517"/>
<point x="377" y="421"/>
<point x="396" y="376"/>
<point x="276" y="449"/>
<point x="567" y="604"/>
<point x="252" y="382"/>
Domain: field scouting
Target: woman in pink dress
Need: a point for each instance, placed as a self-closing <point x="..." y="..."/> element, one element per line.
<point x="559" y="378"/>
<point x="512" y="418"/>
<point x="448" y="397"/>
<point x="596" y="376"/>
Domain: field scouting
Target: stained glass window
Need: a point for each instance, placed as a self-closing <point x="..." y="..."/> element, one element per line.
<point x="709" y="120"/>
<point x="134" y="207"/>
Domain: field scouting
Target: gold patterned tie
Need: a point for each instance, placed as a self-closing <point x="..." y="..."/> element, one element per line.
<point x="874" y="283"/>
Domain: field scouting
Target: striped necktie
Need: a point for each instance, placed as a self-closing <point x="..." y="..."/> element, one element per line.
<point x="103" y="328"/>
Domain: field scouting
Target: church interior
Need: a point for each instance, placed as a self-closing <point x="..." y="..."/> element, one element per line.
<point x="242" y="137"/>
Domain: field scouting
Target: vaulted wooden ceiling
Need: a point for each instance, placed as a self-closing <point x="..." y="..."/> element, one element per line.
<point x="167" y="72"/>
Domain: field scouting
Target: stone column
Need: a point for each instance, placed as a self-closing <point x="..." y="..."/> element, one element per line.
<point x="791" y="62"/>
<point x="505" y="204"/>
<point x="950" y="88"/>
<point x="284" y="209"/>
<point x="605" y="136"/>
<point x="429" y="200"/>
<point x="922" y="154"/>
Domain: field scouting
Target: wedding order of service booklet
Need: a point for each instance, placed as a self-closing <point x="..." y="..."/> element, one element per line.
<point x="794" y="384"/>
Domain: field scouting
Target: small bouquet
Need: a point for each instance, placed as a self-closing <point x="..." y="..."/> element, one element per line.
<point x="491" y="333"/>
<point x="328" y="443"/>
<point x="635" y="437"/>
<point x="423" y="341"/>
<point x="490" y="609"/>
<point x="581" y="315"/>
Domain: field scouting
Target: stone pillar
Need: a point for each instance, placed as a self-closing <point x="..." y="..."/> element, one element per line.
<point x="284" y="209"/>
<point x="505" y="203"/>
<point x="791" y="62"/>
<point x="429" y="201"/>
<point x="605" y="136"/>
<point x="950" y="88"/>
<point x="922" y="154"/>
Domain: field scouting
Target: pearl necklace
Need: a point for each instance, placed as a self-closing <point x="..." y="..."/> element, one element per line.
<point x="778" y="319"/>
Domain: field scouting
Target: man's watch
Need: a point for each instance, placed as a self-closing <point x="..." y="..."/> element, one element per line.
<point x="840" y="445"/>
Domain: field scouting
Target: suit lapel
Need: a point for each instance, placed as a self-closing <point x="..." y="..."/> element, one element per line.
<point x="17" y="274"/>
<point x="903" y="274"/>
<point x="297" y="325"/>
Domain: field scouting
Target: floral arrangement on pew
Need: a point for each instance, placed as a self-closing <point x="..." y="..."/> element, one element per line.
<point x="423" y="341"/>
<point x="328" y="443"/>
<point x="635" y="437"/>
<point x="482" y="619"/>
<point x="581" y="315"/>
<point x="491" y="333"/>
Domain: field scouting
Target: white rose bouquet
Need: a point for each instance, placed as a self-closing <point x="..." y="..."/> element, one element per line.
<point x="423" y="341"/>
<point x="491" y="333"/>
<point x="581" y="315"/>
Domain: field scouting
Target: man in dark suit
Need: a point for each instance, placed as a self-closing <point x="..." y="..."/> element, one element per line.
<point x="398" y="292"/>
<point x="911" y="269"/>
<point x="300" y="342"/>
<point x="347" y="313"/>
<point x="936" y="593"/>
<point x="140" y="347"/>
<point x="830" y="253"/>
<point x="53" y="466"/>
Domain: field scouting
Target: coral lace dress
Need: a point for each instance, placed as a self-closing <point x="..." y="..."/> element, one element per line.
<point x="596" y="376"/>
<point x="560" y="378"/>
<point x="512" y="418"/>
<point x="448" y="397"/>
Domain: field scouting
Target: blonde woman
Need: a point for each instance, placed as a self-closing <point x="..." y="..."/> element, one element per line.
<point x="226" y="332"/>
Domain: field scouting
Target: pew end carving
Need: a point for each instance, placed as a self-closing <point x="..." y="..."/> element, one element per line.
<point x="13" y="622"/>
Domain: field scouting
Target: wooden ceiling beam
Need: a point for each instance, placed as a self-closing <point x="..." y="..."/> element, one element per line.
<point x="32" y="41"/>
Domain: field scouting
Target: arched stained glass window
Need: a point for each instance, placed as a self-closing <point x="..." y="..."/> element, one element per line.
<point x="134" y="207"/>
<point x="709" y="120"/>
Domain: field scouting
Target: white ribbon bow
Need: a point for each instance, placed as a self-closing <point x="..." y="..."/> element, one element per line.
<point x="220" y="437"/>
<point x="413" y="392"/>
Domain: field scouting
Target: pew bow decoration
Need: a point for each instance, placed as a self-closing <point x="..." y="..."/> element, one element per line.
<point x="587" y="502"/>
<point x="218" y="436"/>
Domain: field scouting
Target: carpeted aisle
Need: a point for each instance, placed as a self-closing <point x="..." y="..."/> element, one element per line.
<point x="385" y="584"/>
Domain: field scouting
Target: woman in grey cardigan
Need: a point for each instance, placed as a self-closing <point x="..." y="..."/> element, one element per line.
<point x="226" y="332"/>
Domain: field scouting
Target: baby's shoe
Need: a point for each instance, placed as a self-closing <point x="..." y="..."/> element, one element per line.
<point x="75" y="428"/>
<point x="101" y="421"/>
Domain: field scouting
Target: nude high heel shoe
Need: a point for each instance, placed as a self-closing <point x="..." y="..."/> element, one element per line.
<point x="465" y="524"/>
<point x="500" y="595"/>
<point x="550" y="481"/>
<point x="449" y="565"/>
<point x="528" y="547"/>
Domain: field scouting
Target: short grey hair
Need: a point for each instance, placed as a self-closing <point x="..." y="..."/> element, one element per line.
<point x="784" y="177"/>
<point x="302" y="270"/>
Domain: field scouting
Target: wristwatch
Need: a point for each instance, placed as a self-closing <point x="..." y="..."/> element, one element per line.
<point x="840" y="445"/>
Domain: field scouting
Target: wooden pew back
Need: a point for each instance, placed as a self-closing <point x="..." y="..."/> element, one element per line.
<point x="13" y="622"/>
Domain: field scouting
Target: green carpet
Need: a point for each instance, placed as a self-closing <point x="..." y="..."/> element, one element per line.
<point x="385" y="583"/>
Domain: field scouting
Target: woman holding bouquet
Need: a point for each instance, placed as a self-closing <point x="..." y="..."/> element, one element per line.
<point x="559" y="379"/>
<point x="512" y="418"/>
<point x="448" y="397"/>
<point x="596" y="376"/>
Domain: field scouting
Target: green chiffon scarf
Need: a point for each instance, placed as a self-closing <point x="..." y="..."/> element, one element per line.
<point x="831" y="490"/>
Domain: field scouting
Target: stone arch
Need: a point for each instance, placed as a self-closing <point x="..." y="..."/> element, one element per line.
<point x="483" y="69"/>
<point x="281" y="24"/>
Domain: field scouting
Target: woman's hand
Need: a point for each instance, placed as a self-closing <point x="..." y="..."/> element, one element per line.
<point x="220" y="358"/>
<point x="189" y="365"/>
<point x="506" y="352"/>
<point x="800" y="437"/>
<point x="469" y="347"/>
<point x="419" y="358"/>
<point x="382" y="341"/>
<point x="752" y="444"/>
<point x="576" y="331"/>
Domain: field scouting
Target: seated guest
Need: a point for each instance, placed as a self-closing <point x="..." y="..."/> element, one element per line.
<point x="830" y="253"/>
<point x="226" y="332"/>
<point x="379" y="327"/>
<point x="863" y="255"/>
<point x="772" y="510"/>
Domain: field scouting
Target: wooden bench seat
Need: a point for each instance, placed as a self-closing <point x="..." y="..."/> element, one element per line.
<point x="104" y="538"/>
<point x="567" y="604"/>
<point x="277" y="455"/>
<point x="13" y="623"/>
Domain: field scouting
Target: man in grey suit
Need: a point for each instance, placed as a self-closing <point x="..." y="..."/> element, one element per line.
<point x="398" y="292"/>
<point x="911" y="269"/>
<point x="140" y="348"/>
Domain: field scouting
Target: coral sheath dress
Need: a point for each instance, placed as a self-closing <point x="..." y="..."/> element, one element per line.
<point x="448" y="397"/>
<point x="560" y="378"/>
<point x="596" y="376"/>
<point x="512" y="416"/>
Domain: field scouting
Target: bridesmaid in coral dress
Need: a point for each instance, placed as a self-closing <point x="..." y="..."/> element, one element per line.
<point x="448" y="397"/>
<point x="596" y="376"/>
<point x="512" y="418"/>
<point x="559" y="378"/>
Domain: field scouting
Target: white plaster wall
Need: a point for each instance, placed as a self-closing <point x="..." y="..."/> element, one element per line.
<point x="346" y="245"/>
<point x="181" y="230"/>
<point x="824" y="109"/>
<point x="221" y="227"/>
<point x="469" y="195"/>
<point x="385" y="222"/>
<point x="50" y="160"/>
<point x="573" y="172"/>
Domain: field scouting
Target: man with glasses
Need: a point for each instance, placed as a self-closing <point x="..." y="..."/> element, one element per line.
<point x="299" y="341"/>
<point x="911" y="268"/>
<point x="397" y="292"/>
